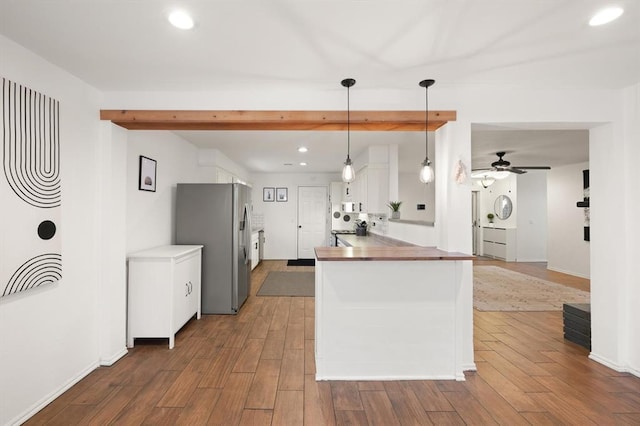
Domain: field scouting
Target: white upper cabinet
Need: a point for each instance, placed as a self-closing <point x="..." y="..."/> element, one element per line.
<point x="371" y="189"/>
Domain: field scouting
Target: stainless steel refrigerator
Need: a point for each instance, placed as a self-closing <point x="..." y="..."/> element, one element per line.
<point x="218" y="215"/>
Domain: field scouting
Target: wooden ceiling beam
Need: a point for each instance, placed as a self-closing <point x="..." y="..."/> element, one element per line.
<point x="374" y="121"/>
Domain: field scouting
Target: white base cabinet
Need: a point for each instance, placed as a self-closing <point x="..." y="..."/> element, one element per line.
<point x="499" y="243"/>
<point x="255" y="249"/>
<point x="163" y="291"/>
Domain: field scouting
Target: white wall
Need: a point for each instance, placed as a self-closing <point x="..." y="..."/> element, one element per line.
<point x="151" y="215"/>
<point x="507" y="186"/>
<point x="50" y="336"/>
<point x="531" y="219"/>
<point x="411" y="192"/>
<point x="630" y="291"/>
<point x="281" y="219"/>
<point x="566" y="249"/>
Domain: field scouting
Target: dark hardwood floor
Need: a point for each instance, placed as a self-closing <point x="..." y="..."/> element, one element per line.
<point x="257" y="368"/>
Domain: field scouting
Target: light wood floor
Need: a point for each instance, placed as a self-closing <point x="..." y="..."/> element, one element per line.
<point x="258" y="368"/>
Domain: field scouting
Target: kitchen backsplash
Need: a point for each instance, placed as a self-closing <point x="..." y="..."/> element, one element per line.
<point x="378" y="223"/>
<point x="257" y="220"/>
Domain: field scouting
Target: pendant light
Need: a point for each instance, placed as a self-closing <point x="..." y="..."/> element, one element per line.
<point x="348" y="174"/>
<point x="426" y="172"/>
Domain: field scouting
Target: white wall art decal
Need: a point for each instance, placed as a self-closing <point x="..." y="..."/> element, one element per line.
<point x="30" y="190"/>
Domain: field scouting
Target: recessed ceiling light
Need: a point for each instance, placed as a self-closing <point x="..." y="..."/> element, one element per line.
<point x="181" y="19"/>
<point x="302" y="149"/>
<point x="303" y="164"/>
<point x="605" y="16"/>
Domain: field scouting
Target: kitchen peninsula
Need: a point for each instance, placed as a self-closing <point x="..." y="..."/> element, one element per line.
<point x="389" y="310"/>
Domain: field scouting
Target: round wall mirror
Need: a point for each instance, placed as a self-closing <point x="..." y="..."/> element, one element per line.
<point x="503" y="207"/>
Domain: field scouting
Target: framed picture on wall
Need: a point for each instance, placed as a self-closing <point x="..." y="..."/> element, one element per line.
<point x="147" y="178"/>
<point x="268" y="194"/>
<point x="282" y="194"/>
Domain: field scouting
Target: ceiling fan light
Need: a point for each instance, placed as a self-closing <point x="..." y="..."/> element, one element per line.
<point x="426" y="172"/>
<point x="486" y="181"/>
<point x="348" y="174"/>
<point x="500" y="174"/>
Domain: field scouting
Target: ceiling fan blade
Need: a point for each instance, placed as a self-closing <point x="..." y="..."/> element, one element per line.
<point x="534" y="167"/>
<point x="516" y="170"/>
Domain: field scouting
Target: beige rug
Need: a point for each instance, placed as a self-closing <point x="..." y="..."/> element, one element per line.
<point x="288" y="284"/>
<point x="499" y="289"/>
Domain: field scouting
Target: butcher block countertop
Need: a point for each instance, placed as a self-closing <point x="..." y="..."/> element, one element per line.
<point x="372" y="240"/>
<point x="386" y="253"/>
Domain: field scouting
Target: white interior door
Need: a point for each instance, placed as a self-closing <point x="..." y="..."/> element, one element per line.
<point x="312" y="219"/>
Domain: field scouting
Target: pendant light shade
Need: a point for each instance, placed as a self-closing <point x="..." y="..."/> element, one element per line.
<point x="426" y="172"/>
<point x="348" y="173"/>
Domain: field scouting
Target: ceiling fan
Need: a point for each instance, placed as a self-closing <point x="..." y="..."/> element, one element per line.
<point x="503" y="167"/>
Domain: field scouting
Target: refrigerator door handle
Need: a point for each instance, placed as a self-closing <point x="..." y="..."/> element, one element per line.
<point x="247" y="233"/>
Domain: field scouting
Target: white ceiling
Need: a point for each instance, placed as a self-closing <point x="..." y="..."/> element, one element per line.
<point x="126" y="45"/>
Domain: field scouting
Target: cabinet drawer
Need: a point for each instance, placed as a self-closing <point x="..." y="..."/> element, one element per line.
<point x="495" y="235"/>
<point x="494" y="249"/>
<point x="500" y="250"/>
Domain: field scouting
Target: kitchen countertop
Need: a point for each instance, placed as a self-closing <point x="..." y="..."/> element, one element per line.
<point x="378" y="247"/>
<point x="372" y="240"/>
<point x="387" y="253"/>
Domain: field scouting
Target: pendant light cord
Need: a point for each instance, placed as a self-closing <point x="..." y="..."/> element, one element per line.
<point x="348" y="123"/>
<point x="426" y="84"/>
<point x="426" y="122"/>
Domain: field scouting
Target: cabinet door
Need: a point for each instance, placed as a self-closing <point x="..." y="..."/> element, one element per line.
<point x="185" y="287"/>
<point x="347" y="191"/>
<point x="336" y="192"/>
<point x="377" y="189"/>
<point x="363" y="191"/>
<point x="255" y="250"/>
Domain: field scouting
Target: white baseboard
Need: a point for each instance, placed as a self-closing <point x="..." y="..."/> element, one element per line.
<point x="614" y="366"/>
<point x="30" y="412"/>
<point x="562" y="271"/>
<point x="321" y="377"/>
<point x="531" y="260"/>
<point x="115" y="357"/>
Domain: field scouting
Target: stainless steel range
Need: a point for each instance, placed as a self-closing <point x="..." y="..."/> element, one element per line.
<point x="336" y="232"/>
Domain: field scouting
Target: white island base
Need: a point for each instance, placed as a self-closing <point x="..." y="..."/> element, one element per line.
<point x="393" y="320"/>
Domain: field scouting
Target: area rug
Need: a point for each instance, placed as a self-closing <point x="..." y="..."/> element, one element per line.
<point x="301" y="262"/>
<point x="499" y="289"/>
<point x="288" y="284"/>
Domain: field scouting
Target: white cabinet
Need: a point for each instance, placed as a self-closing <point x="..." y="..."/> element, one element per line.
<point x="261" y="245"/>
<point x="255" y="249"/>
<point x="347" y="191"/>
<point x="499" y="243"/>
<point x="336" y="192"/>
<point x="163" y="291"/>
<point x="371" y="189"/>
